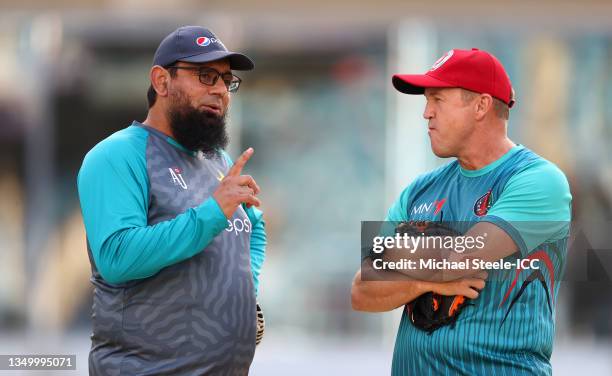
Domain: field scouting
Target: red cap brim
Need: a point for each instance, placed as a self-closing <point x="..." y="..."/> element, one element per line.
<point x="416" y="83"/>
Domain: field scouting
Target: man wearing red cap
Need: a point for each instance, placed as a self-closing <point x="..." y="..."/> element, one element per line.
<point x="504" y="193"/>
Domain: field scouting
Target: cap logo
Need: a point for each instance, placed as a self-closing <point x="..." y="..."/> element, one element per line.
<point x="442" y="60"/>
<point x="203" y="41"/>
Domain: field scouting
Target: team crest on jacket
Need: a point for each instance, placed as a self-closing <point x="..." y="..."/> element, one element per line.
<point x="482" y="205"/>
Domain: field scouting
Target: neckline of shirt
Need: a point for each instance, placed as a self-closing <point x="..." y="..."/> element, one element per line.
<point x="168" y="139"/>
<point x="491" y="166"/>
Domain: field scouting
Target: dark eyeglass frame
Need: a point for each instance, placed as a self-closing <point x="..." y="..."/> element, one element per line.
<point x="232" y="85"/>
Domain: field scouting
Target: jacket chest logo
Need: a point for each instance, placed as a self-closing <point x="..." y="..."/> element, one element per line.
<point x="427" y="207"/>
<point x="177" y="177"/>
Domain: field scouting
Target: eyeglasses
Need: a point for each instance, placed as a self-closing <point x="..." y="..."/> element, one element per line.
<point x="209" y="76"/>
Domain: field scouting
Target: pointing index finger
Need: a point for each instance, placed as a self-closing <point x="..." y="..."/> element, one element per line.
<point x="236" y="169"/>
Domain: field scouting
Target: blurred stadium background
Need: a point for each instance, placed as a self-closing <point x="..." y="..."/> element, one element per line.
<point x="334" y="145"/>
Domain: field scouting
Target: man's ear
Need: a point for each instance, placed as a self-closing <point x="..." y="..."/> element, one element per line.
<point x="159" y="80"/>
<point x="483" y="105"/>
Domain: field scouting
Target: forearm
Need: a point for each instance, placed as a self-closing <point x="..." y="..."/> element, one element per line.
<point x="433" y="277"/>
<point x="383" y="296"/>
<point x="417" y="260"/>
<point x="383" y="291"/>
<point x="140" y="252"/>
<point x="495" y="244"/>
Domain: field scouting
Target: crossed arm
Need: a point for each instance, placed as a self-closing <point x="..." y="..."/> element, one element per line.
<point x="497" y="245"/>
<point x="391" y="290"/>
<point x="387" y="290"/>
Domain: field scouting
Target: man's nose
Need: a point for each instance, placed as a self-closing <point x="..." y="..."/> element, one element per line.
<point x="428" y="112"/>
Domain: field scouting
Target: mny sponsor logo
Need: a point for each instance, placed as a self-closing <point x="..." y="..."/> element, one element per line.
<point x="427" y="207"/>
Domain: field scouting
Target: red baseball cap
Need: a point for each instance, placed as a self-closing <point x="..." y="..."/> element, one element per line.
<point x="473" y="70"/>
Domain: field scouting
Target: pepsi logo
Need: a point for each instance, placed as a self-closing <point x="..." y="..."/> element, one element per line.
<point x="203" y="41"/>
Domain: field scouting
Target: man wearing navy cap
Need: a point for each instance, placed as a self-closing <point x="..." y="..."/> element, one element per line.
<point x="174" y="239"/>
<point x="504" y="193"/>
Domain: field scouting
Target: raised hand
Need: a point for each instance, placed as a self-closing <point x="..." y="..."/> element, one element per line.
<point x="236" y="189"/>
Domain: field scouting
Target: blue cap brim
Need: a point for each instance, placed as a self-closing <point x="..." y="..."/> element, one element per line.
<point x="237" y="60"/>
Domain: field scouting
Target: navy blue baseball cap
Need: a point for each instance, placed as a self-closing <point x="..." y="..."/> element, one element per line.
<point x="195" y="44"/>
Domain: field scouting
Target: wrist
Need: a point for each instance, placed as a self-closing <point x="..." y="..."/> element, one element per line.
<point x="424" y="287"/>
<point x="212" y="213"/>
<point x="219" y="205"/>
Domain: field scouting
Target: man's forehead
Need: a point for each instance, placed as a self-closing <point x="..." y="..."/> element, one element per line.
<point x="441" y="90"/>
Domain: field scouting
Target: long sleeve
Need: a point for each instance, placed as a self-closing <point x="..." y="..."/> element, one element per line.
<point x="113" y="192"/>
